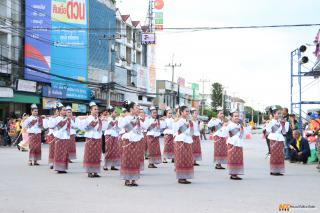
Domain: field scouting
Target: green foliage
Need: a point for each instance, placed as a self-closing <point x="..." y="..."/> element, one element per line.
<point x="216" y="95"/>
<point x="118" y="110"/>
<point x="210" y="113"/>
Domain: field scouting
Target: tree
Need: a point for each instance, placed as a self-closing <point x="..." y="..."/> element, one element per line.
<point x="216" y="95"/>
<point x="209" y="113"/>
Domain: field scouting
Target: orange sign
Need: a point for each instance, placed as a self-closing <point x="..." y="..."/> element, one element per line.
<point x="158" y="4"/>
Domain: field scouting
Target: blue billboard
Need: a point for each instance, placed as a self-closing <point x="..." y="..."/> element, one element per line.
<point x="56" y="42"/>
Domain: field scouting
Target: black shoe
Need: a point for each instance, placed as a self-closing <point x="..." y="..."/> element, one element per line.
<point x="18" y="147"/>
<point x="235" y="178"/>
<point x="51" y="167"/>
<point x="134" y="184"/>
<point x="30" y="164"/>
<point x="127" y="183"/>
<point x="114" y="168"/>
<point x="36" y="164"/>
<point x="219" y="167"/>
<point x="276" y="174"/>
<point x="183" y="181"/>
<point x="172" y="161"/>
<point x="90" y="175"/>
<point x="96" y="175"/>
<point x="152" y="166"/>
<point x="61" y="172"/>
<point x="164" y="161"/>
<point x="196" y="164"/>
<point x="105" y="169"/>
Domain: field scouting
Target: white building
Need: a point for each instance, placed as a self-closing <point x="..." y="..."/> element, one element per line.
<point x="133" y="64"/>
<point x="238" y="104"/>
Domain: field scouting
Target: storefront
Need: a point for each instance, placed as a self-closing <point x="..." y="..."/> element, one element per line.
<point x="18" y="104"/>
<point x="52" y="96"/>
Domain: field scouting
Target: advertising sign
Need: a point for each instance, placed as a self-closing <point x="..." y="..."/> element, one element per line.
<point x="38" y="39"/>
<point x="158" y="5"/>
<point x="142" y="78"/>
<point x="79" y="108"/>
<point x="148" y="38"/>
<point x="27" y="86"/>
<point x="6" y="92"/>
<point x="49" y="103"/>
<point x="56" y="42"/>
<point x="54" y="92"/>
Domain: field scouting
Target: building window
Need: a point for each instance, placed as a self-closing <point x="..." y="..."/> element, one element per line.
<point x="129" y="34"/>
<point x="138" y="58"/>
<point x="128" y="56"/>
<point x="149" y="99"/>
<point x="117" y="97"/>
<point x="140" y="98"/>
<point x="144" y="55"/>
<point x="118" y="27"/>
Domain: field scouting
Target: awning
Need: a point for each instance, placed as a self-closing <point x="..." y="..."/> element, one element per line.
<point x="22" y="98"/>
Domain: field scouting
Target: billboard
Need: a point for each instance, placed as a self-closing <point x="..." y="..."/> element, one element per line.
<point x="56" y="42"/>
<point x="148" y="38"/>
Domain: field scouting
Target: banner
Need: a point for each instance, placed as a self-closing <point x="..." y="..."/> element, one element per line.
<point x="56" y="42"/>
<point x="37" y="39"/>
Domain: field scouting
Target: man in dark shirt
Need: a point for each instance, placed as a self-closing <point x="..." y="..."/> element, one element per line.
<point x="288" y="135"/>
<point x="299" y="148"/>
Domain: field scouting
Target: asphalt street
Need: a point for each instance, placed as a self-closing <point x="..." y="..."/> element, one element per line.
<point x="38" y="189"/>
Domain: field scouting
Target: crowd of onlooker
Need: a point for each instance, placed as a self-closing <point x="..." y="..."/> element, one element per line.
<point x="11" y="131"/>
<point x="302" y="143"/>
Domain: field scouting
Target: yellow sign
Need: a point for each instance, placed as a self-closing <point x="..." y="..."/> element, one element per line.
<point x="69" y="11"/>
<point x="49" y="103"/>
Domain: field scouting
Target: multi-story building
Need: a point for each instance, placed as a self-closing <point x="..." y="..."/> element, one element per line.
<point x="102" y="15"/>
<point x="167" y="94"/>
<point x="171" y="94"/>
<point x="132" y="63"/>
<point x="14" y="93"/>
<point x="238" y="104"/>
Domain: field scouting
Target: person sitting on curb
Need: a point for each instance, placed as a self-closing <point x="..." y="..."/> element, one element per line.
<point x="299" y="148"/>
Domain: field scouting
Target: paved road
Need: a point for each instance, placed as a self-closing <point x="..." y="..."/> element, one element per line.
<point x="37" y="189"/>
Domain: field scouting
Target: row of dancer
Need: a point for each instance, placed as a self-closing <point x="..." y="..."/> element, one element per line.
<point x="131" y="135"/>
<point x="62" y="128"/>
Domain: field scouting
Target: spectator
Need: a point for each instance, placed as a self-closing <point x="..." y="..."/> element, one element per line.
<point x="1" y="133"/>
<point x="203" y="127"/>
<point x="288" y="134"/>
<point x="299" y="148"/>
<point x="294" y="124"/>
<point x="6" y="138"/>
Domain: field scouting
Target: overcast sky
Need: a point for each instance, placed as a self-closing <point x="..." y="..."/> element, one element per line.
<point x="252" y="64"/>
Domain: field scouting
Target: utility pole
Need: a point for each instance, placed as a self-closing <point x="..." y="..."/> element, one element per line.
<point x="203" y="81"/>
<point x="150" y="16"/>
<point x="173" y="66"/>
<point x="258" y="114"/>
<point x="110" y="70"/>
<point x="252" y="111"/>
<point x="111" y="39"/>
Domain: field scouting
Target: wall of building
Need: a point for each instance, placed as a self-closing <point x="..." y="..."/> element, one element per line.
<point x="101" y="16"/>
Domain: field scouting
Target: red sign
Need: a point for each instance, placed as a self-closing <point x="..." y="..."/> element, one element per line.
<point x="158" y="4"/>
<point x="317" y="42"/>
<point x="159" y="27"/>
